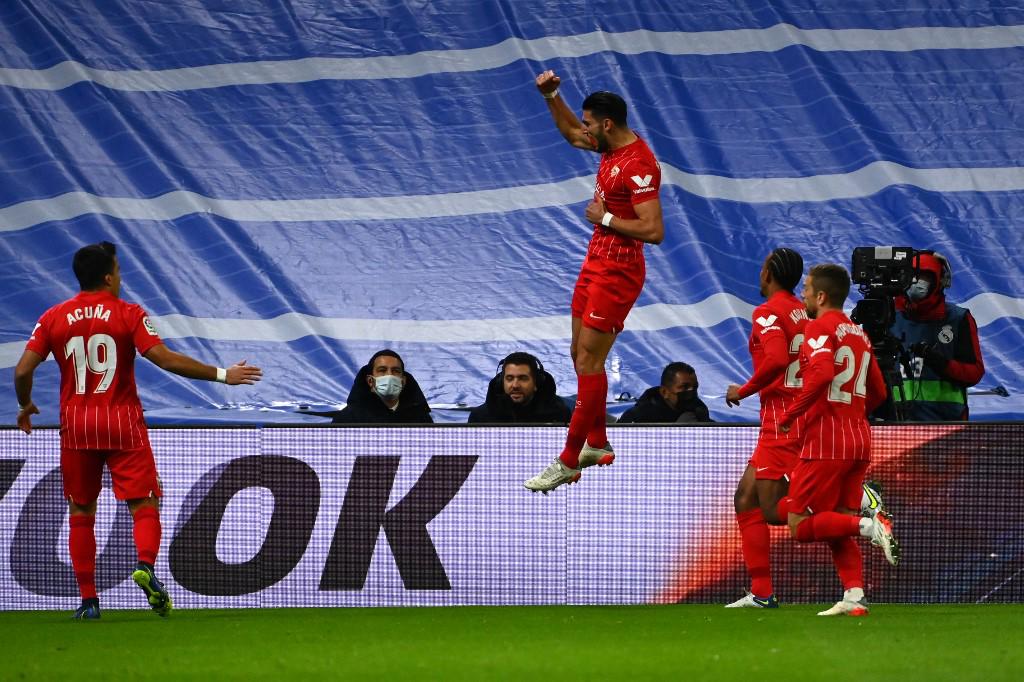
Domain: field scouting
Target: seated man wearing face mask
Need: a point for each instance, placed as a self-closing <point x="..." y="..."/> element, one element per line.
<point x="522" y="392"/>
<point x="943" y="338"/>
<point x="675" y="401"/>
<point x="384" y="393"/>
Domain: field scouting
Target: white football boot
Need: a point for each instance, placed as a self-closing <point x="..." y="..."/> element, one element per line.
<point x="749" y="601"/>
<point x="589" y="456"/>
<point x="853" y="604"/>
<point x="871" y="499"/>
<point x="554" y="475"/>
<point x="881" y="535"/>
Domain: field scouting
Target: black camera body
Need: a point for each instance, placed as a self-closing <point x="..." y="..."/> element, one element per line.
<point x="882" y="273"/>
<point x="884" y="268"/>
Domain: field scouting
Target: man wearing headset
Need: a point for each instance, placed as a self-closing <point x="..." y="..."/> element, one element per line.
<point x="943" y="338"/>
<point x="522" y="392"/>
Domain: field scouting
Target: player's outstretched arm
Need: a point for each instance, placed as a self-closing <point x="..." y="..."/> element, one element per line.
<point x="24" y="371"/>
<point x="565" y="120"/>
<point x="182" y="365"/>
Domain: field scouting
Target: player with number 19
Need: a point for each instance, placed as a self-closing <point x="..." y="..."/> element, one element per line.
<point x="94" y="337"/>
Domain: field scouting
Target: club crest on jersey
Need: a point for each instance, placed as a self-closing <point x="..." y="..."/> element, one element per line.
<point x="615" y="171"/>
<point x="946" y="334"/>
<point x="92" y="312"/>
<point x="817" y="343"/>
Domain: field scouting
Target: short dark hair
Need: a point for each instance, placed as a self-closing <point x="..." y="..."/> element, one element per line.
<point x="92" y="263"/>
<point x="668" y="374"/>
<point x="387" y="352"/>
<point x="786" y="267"/>
<point x="603" y="104"/>
<point x="521" y="358"/>
<point x="834" y="280"/>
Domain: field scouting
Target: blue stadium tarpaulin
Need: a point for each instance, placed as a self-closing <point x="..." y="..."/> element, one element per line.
<point x="302" y="183"/>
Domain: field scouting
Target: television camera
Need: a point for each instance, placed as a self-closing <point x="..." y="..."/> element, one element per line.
<point x="882" y="273"/>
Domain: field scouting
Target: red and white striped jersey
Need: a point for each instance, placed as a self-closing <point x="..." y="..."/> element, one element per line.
<point x="776" y="335"/>
<point x="842" y="384"/>
<point x="627" y="176"/>
<point x="93" y="338"/>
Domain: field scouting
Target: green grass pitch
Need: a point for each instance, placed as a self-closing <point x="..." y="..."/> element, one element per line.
<point x="693" y="642"/>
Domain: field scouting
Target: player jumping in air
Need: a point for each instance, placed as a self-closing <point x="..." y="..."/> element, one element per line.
<point x="94" y="337"/>
<point x="626" y="214"/>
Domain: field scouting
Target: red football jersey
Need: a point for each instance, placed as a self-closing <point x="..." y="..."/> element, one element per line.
<point x="93" y="338"/>
<point x="842" y="385"/>
<point x="776" y="335"/>
<point x="627" y="176"/>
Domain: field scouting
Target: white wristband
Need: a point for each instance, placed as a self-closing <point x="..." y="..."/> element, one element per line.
<point x="607" y="219"/>
<point x="550" y="95"/>
<point x="222" y="375"/>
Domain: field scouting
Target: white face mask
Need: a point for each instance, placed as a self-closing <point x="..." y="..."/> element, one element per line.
<point x="918" y="290"/>
<point x="387" y="386"/>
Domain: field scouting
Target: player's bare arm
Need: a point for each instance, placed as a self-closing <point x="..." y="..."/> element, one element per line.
<point x="182" y="365"/>
<point x="23" y="374"/>
<point x="648" y="226"/>
<point x="572" y="129"/>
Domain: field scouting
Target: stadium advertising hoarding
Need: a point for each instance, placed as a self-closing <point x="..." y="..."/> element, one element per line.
<point x="438" y="516"/>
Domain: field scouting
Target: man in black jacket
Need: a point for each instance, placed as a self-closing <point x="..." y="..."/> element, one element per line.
<point x="675" y="401"/>
<point x="522" y="392"/>
<point x="384" y="393"/>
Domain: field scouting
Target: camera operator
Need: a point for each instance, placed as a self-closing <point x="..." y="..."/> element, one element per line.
<point x="943" y="338"/>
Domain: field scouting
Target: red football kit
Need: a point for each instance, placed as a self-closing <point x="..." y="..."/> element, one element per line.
<point x="613" y="271"/>
<point x="842" y="384"/>
<point x="94" y="337"/>
<point x="775" y="339"/>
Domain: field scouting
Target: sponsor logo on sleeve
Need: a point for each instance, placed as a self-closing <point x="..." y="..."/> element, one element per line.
<point x="643" y="184"/>
<point x="818" y="345"/>
<point x="768" y="323"/>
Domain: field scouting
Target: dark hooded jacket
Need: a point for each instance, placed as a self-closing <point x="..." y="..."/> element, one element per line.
<point x="651" y="408"/>
<point x="365" y="407"/>
<point x="545" y="408"/>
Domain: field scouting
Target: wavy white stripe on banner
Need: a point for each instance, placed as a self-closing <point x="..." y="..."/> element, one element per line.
<point x="713" y="310"/>
<point x="291" y="326"/>
<point x="860" y="183"/>
<point x="769" y="39"/>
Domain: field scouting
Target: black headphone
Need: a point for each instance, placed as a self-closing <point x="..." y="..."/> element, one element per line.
<point x="946" y="279"/>
<point x="540" y="376"/>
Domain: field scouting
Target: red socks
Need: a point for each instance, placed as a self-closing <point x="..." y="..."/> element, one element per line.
<point x="828" y="526"/>
<point x="82" y="547"/>
<point x="848" y="562"/>
<point x="756" y="544"/>
<point x="598" y="433"/>
<point x="591" y="394"/>
<point x="147" y="533"/>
